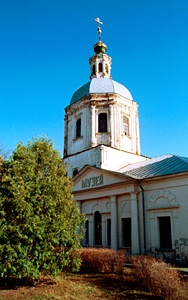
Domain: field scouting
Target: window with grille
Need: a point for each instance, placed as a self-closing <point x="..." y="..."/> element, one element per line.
<point x="125" y="125"/>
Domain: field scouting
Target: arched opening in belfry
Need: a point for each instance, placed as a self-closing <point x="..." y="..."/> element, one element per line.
<point x="100" y="67"/>
<point x="94" y="70"/>
<point x="98" y="229"/>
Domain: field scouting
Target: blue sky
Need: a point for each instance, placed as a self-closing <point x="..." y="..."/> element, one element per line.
<point x="44" y="52"/>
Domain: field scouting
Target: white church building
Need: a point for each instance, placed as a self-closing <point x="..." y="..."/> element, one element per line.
<point x="130" y="201"/>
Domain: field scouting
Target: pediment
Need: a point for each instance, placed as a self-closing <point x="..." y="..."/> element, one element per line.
<point x="91" y="177"/>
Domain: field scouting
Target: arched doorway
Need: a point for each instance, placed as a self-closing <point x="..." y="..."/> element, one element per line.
<point x="98" y="229"/>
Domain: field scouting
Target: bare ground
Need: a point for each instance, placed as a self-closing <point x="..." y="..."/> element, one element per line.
<point x="79" y="287"/>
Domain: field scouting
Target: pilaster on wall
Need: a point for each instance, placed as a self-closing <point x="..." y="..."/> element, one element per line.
<point x="111" y="126"/>
<point x="79" y="204"/>
<point x="93" y="126"/>
<point x="114" y="229"/>
<point x="134" y="224"/>
<point x="90" y="219"/>
<point x="103" y="230"/>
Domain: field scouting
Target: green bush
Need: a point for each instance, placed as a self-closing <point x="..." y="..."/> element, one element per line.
<point x="102" y="260"/>
<point x="160" y="278"/>
<point x="40" y="224"/>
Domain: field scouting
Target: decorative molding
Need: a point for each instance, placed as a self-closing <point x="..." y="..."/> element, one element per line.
<point x="85" y="209"/>
<point x="108" y="206"/>
<point x="162" y="199"/>
<point x="123" y="206"/>
<point x="96" y="207"/>
<point x="163" y="208"/>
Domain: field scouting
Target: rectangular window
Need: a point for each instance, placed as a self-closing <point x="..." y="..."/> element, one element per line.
<point x="125" y="125"/>
<point x="102" y="122"/>
<point x="78" y="128"/>
<point x="108" y="232"/>
<point x="126" y="232"/>
<point x="74" y="172"/>
<point x="87" y="233"/>
<point x="165" y="236"/>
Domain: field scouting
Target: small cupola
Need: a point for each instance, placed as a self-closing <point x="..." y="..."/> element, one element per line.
<point x="100" y="63"/>
<point x="100" y="47"/>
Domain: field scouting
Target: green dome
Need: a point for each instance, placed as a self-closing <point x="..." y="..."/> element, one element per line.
<point x="101" y="86"/>
<point x="100" y="47"/>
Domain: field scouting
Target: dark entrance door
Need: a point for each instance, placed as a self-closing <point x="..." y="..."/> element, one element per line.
<point x="98" y="229"/>
<point x="165" y="233"/>
<point x="126" y="232"/>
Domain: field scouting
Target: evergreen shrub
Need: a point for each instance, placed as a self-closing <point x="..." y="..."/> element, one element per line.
<point x="40" y="224"/>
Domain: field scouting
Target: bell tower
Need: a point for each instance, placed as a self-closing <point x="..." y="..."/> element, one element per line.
<point x="100" y="63"/>
<point x="101" y="123"/>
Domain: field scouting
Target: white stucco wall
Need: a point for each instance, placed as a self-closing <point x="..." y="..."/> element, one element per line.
<point x="167" y="197"/>
<point x="102" y="157"/>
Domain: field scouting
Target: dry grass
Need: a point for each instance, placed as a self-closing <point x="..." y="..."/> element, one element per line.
<point x="160" y="278"/>
<point x="80" y="287"/>
<point x="104" y="276"/>
<point x="102" y="260"/>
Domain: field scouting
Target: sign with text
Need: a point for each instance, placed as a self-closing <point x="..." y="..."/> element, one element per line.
<point x="92" y="181"/>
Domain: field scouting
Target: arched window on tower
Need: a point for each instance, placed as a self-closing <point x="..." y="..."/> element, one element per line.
<point x="102" y="121"/>
<point x="94" y="70"/>
<point x="78" y="128"/>
<point x="106" y="67"/>
<point x="100" y="67"/>
<point x="125" y="125"/>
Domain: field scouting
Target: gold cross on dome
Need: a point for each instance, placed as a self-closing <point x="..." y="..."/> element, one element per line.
<point x="98" y="21"/>
<point x="99" y="28"/>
